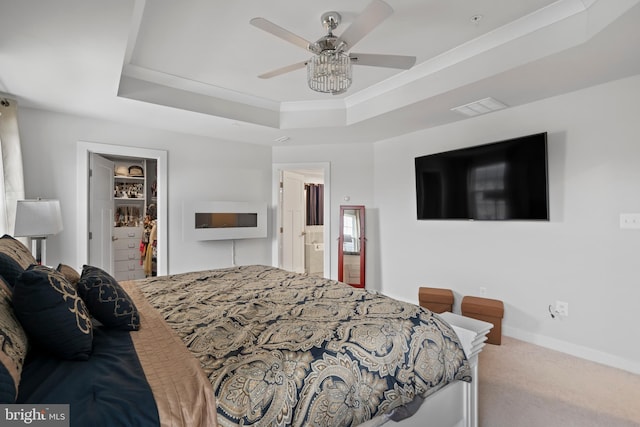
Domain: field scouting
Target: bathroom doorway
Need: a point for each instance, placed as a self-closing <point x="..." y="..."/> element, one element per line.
<point x="299" y="243"/>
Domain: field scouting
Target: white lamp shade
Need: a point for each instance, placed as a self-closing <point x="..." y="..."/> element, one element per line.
<point x="38" y="218"/>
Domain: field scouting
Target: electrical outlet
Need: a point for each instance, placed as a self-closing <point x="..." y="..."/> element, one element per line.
<point x="562" y="308"/>
<point x="629" y="220"/>
<point x="483" y="291"/>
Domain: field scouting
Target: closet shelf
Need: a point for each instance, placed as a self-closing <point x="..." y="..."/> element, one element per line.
<point x="129" y="178"/>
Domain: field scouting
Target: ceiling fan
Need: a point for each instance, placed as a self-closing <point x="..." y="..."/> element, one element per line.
<point x="329" y="69"/>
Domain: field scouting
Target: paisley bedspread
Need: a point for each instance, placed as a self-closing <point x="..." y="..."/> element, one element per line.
<point x="282" y="348"/>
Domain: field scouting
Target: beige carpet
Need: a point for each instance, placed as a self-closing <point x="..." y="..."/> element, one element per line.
<point x="524" y="385"/>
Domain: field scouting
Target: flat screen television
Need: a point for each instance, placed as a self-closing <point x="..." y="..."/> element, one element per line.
<point x="505" y="180"/>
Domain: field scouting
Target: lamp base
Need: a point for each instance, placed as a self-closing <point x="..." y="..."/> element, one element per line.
<point x="39" y="249"/>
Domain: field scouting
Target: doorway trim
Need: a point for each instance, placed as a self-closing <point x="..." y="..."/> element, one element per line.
<point x="83" y="151"/>
<point x="275" y="201"/>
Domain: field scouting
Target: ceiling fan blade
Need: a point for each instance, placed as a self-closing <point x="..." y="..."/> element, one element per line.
<point x="278" y="31"/>
<point x="283" y="70"/>
<point x="389" y="61"/>
<point x="372" y="16"/>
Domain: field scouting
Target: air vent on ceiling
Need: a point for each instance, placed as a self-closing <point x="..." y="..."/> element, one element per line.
<point x="482" y="106"/>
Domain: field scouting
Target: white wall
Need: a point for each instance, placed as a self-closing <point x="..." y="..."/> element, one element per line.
<point x="351" y="176"/>
<point x="581" y="256"/>
<point x="199" y="169"/>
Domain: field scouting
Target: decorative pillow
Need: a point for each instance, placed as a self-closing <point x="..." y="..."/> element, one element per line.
<point x="16" y="250"/>
<point x="107" y="300"/>
<point x="52" y="313"/>
<point x="69" y="273"/>
<point x="13" y="348"/>
<point x="10" y="269"/>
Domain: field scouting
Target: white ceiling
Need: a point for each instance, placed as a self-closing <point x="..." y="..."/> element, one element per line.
<point x="191" y="66"/>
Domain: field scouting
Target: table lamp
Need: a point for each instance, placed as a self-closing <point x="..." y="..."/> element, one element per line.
<point x="38" y="219"/>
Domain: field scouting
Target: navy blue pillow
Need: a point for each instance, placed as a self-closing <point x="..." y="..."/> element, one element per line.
<point x="10" y="269"/>
<point x="106" y="300"/>
<point x="52" y="313"/>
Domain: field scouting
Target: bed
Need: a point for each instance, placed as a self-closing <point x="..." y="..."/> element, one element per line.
<point x="249" y="345"/>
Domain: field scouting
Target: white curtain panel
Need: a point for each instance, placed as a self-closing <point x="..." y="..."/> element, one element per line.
<point x="11" y="178"/>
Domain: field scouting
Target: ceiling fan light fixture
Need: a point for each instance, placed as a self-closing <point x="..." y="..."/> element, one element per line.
<point x="329" y="72"/>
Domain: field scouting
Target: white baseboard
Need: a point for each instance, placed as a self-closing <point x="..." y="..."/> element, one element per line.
<point x="582" y="352"/>
<point x="587" y="353"/>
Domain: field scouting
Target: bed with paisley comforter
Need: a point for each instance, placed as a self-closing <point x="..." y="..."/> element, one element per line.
<point x="280" y="348"/>
<point x="250" y="345"/>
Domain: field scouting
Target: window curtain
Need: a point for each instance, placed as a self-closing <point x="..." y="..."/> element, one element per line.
<point x="315" y="203"/>
<point x="11" y="178"/>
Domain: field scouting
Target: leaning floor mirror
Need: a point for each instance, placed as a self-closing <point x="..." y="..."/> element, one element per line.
<point x="351" y="246"/>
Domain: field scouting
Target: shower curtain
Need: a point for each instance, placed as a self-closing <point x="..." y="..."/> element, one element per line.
<point x="315" y="204"/>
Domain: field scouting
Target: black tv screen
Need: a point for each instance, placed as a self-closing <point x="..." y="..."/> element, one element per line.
<point x="504" y="180"/>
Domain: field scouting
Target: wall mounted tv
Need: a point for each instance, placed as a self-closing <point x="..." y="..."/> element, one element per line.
<point x="504" y="180"/>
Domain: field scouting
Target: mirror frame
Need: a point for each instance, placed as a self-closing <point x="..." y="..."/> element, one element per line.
<point x="362" y="238"/>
